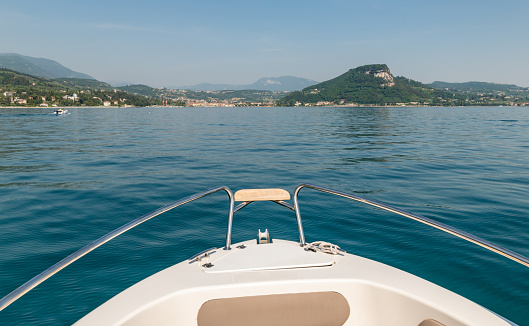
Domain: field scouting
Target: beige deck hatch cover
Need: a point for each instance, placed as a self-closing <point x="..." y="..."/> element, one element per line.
<point x="291" y="309"/>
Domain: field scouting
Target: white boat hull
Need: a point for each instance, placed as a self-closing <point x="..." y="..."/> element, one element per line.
<point x="376" y="294"/>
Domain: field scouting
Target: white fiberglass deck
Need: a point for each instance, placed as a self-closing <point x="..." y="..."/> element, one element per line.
<point x="266" y="257"/>
<point x="375" y="294"/>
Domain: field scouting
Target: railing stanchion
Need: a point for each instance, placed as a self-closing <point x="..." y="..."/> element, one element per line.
<point x="298" y="217"/>
<point x="230" y="224"/>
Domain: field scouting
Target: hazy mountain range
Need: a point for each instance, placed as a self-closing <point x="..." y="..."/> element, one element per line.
<point x="39" y="67"/>
<point x="274" y="84"/>
<point x="47" y="68"/>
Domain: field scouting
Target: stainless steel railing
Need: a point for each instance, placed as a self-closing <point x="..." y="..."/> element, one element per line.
<point x="443" y="227"/>
<point x="24" y="288"/>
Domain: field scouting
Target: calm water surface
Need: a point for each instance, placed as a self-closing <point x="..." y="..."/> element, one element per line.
<point x="67" y="180"/>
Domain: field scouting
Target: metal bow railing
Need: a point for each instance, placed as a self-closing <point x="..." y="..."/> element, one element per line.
<point x="24" y="288"/>
<point x="20" y="291"/>
<point x="443" y="227"/>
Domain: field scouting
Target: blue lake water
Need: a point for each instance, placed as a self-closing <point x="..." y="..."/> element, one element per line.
<point x="67" y="180"/>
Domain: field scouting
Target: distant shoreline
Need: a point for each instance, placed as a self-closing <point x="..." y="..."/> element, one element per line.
<point x="57" y="107"/>
<point x="190" y="107"/>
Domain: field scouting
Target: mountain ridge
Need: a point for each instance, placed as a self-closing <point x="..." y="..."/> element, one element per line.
<point x="372" y="85"/>
<point x="274" y="84"/>
<point x="39" y="67"/>
<point x="20" y="89"/>
<point x="368" y="85"/>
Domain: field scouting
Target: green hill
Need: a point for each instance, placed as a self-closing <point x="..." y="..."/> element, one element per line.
<point x="10" y="79"/>
<point x="369" y="85"/>
<point x="142" y="90"/>
<point x="86" y="84"/>
<point x="18" y="89"/>
<point x="38" y="66"/>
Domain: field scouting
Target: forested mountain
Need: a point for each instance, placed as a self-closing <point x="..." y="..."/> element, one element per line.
<point x="84" y="83"/>
<point x="18" y="89"/>
<point x="369" y="85"/>
<point x="39" y="67"/>
<point x="142" y="90"/>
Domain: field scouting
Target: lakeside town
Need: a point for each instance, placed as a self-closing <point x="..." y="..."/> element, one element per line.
<point x="118" y="98"/>
<point x="84" y="98"/>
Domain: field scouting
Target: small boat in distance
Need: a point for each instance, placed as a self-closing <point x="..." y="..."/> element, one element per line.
<point x="267" y="281"/>
<point x="60" y="111"/>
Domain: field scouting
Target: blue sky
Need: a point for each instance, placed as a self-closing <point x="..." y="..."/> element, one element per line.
<point x="177" y="43"/>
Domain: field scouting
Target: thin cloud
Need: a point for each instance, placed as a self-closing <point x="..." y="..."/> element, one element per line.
<point x="130" y="28"/>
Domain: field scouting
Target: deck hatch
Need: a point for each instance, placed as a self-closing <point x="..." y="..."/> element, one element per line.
<point x="289" y="309"/>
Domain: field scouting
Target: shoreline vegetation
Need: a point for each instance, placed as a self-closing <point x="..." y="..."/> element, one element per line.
<point x="365" y="86"/>
<point x="263" y="106"/>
